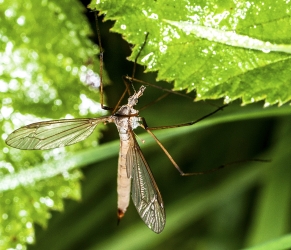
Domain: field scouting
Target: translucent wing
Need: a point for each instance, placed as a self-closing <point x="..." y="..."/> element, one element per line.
<point x="53" y="134"/>
<point x="144" y="191"/>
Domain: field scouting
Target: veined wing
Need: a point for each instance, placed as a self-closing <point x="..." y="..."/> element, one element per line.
<point x="53" y="134"/>
<point x="144" y="191"/>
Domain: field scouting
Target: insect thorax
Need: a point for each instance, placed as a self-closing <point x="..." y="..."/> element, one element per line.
<point x="126" y="122"/>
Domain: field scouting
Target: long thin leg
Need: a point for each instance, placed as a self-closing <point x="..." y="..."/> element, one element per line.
<point x="144" y="125"/>
<point x="182" y="124"/>
<point x="126" y="79"/>
<point x="165" y="150"/>
<point x="132" y="79"/>
<point x="138" y="54"/>
<point x="127" y="82"/>
<point x="101" y="73"/>
<point x="101" y="64"/>
<point x="148" y="129"/>
<point x="127" y="90"/>
<point x="155" y="101"/>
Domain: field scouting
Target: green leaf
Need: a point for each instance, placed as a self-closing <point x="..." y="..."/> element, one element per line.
<point x="271" y="219"/>
<point x="219" y="49"/>
<point x="46" y="55"/>
<point x="283" y="242"/>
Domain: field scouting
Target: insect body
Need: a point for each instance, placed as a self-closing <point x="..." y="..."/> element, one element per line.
<point x="133" y="171"/>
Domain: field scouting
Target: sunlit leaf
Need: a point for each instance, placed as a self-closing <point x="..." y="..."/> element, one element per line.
<point x="219" y="49"/>
<point x="46" y="66"/>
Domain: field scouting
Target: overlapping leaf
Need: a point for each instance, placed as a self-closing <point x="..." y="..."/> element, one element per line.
<point x="220" y="49"/>
<point x="45" y="58"/>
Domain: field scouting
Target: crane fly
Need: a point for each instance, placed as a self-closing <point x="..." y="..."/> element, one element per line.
<point x="133" y="171"/>
<point x="134" y="174"/>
